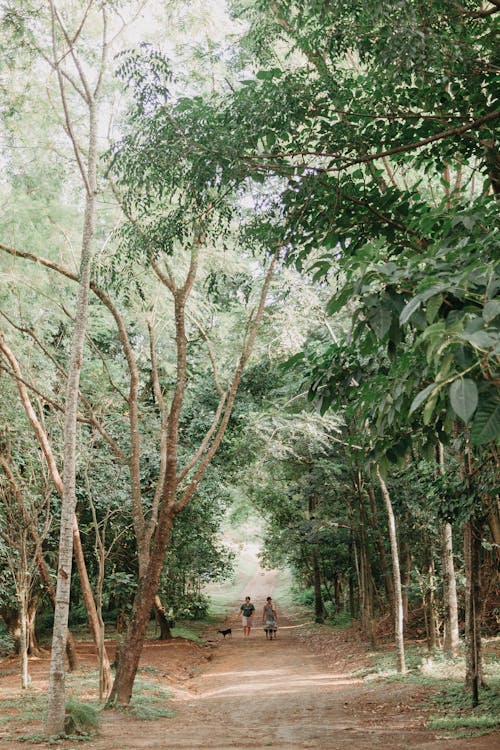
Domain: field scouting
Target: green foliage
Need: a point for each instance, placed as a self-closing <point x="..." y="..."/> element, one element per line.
<point x="81" y="718"/>
<point x="149" y="701"/>
<point x="456" y="715"/>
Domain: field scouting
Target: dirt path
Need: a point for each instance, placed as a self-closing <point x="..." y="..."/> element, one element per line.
<point x="257" y="694"/>
<point x="293" y="692"/>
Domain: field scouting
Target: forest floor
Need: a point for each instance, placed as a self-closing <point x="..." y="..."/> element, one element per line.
<point x="303" y="690"/>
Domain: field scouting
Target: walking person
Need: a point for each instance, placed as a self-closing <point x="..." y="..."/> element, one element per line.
<point x="270" y="619"/>
<point x="247" y="609"/>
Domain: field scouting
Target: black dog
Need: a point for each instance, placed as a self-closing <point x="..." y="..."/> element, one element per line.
<point x="228" y="631"/>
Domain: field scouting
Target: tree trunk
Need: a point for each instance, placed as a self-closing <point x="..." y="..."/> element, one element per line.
<point x="56" y="707"/>
<point x="34" y="648"/>
<point x="451" y="641"/>
<point x="94" y="618"/>
<point x="162" y="620"/>
<point x="473" y="654"/>
<point x="23" y="639"/>
<point x="352" y="567"/>
<point x="430" y="601"/>
<point x="319" y="609"/>
<point x="406" y="561"/>
<point x="397" y="576"/>
<point x="365" y="573"/>
<point x="380" y="547"/>
<point x="451" y="638"/>
<point x="130" y="651"/>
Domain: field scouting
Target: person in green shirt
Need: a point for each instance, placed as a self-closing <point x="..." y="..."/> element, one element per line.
<point x="247" y="609"/>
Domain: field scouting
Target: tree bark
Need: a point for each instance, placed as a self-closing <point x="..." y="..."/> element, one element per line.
<point x="399" y="620"/>
<point x="162" y="620"/>
<point x="451" y="640"/>
<point x="473" y="646"/>
<point x="406" y="563"/>
<point x="23" y="640"/>
<point x="95" y="622"/>
<point x="380" y="547"/>
<point x="56" y="702"/>
<point x="319" y="609"/>
<point x="365" y="572"/>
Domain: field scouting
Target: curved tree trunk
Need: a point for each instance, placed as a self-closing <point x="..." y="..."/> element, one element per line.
<point x="399" y="620"/>
<point x="162" y="620"/>
<point x="130" y="651"/>
<point x="96" y="628"/>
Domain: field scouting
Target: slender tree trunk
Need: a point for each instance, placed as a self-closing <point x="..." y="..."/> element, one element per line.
<point x="406" y="563"/>
<point x="430" y="601"/>
<point x="73" y="660"/>
<point x="473" y="647"/>
<point x="56" y="709"/>
<point x="451" y="641"/>
<point x="399" y="620"/>
<point x="319" y="609"/>
<point x="472" y="563"/>
<point x="380" y="546"/>
<point x="366" y="578"/>
<point x="451" y="638"/>
<point x="352" y="567"/>
<point x="23" y="640"/>
<point x="95" y="622"/>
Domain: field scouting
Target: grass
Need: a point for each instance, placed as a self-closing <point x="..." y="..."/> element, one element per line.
<point x="26" y="707"/>
<point x="449" y="702"/>
<point x="149" y="701"/>
<point x="454" y="713"/>
<point x="188" y="632"/>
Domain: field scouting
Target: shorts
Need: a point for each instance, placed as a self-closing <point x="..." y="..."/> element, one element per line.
<point x="247" y="622"/>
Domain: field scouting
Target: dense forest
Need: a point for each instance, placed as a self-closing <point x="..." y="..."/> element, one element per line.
<point x="249" y="262"/>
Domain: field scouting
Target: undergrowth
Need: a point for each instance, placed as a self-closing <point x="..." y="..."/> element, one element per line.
<point x="449" y="701"/>
<point x="149" y="701"/>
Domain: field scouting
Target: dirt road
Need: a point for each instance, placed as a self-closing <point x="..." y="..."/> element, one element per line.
<point x="292" y="692"/>
<point x="258" y="694"/>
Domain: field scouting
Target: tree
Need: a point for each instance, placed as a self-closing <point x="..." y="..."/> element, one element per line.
<point x="171" y="201"/>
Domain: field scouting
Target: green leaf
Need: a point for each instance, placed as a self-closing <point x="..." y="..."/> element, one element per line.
<point x="491" y="310"/>
<point x="421" y="397"/>
<point x="415" y="303"/>
<point x="380" y="320"/>
<point x="480" y="340"/>
<point x="464" y="398"/>
<point x="409" y="309"/>
<point x="432" y="307"/>
<point x="486" y="425"/>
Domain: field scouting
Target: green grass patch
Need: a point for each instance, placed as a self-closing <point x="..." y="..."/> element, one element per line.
<point x="461" y="722"/>
<point x="149" y="701"/>
<point x="187" y="632"/>
<point x="23" y="708"/>
<point x="82" y="719"/>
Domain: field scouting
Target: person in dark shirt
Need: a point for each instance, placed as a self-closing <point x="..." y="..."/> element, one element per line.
<point x="247" y="609"/>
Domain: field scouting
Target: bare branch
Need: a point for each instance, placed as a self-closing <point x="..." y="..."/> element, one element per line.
<point x="37" y="427"/>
